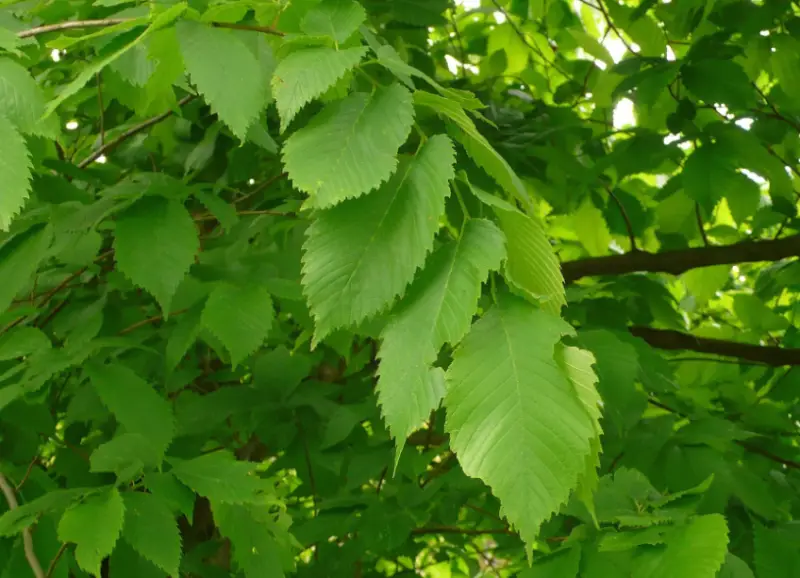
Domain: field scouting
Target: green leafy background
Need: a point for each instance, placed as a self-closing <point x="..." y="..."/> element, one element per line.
<point x="423" y="287"/>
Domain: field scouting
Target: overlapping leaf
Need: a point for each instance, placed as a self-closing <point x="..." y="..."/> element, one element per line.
<point x="21" y="100"/>
<point x="306" y="74"/>
<point x="335" y="18"/>
<point x="152" y="530"/>
<point x="255" y="549"/>
<point x="19" y="258"/>
<point x="437" y="309"/>
<point x="226" y="72"/>
<point x="155" y="243"/>
<point x="15" y="172"/>
<point x="514" y="419"/>
<point x="134" y="403"/>
<point x="93" y="526"/>
<point x="350" y="147"/>
<point x="220" y="478"/>
<point x="240" y="316"/>
<point x="362" y="253"/>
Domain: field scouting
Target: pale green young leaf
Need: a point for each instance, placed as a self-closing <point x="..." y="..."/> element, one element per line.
<point x="335" y="18"/>
<point x="160" y="263"/>
<point x="437" y="309"/>
<point x="476" y="145"/>
<point x="306" y="74"/>
<point x="350" y="147"/>
<point x="15" y="173"/>
<point x="134" y="403"/>
<point x="591" y="228"/>
<point x="94" y="526"/>
<point x="577" y="366"/>
<point x="220" y="477"/>
<point x="514" y="419"/>
<point x="21" y="100"/>
<point x="240" y="317"/>
<point x="19" y="258"/>
<point x="255" y="549"/>
<point x="694" y="550"/>
<point x="362" y="253"/>
<point x="225" y="72"/>
<point x="152" y="530"/>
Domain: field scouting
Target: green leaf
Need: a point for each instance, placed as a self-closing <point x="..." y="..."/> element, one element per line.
<point x="125" y="562"/>
<point x="182" y="337"/>
<point x="306" y="74"/>
<point x="19" y="258"/>
<point x="255" y="549"/>
<point x="152" y="530"/>
<point x="591" y="228"/>
<point x="335" y="18"/>
<point x="532" y="264"/>
<point x="694" y="550"/>
<point x="169" y="228"/>
<point x="785" y="60"/>
<point x="438" y="309"/>
<point x="362" y="253"/>
<point x="514" y="419"/>
<point x="476" y="145"/>
<point x="220" y="477"/>
<point x="15" y="173"/>
<point x="14" y="521"/>
<point x="735" y="567"/>
<point x="225" y="72"/>
<point x="708" y="174"/>
<point x="350" y="147"/>
<point x="22" y="341"/>
<point x="21" y="100"/>
<point x="240" y="317"/>
<point x="93" y="526"/>
<point x="720" y="82"/>
<point x="775" y="552"/>
<point x="559" y="565"/>
<point x="125" y="455"/>
<point x="134" y="403"/>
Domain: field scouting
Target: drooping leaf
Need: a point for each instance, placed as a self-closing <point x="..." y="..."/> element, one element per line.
<point x="350" y="147"/>
<point x="719" y="81"/>
<point x="21" y="100"/>
<point x="15" y="172"/>
<point x="93" y="526"/>
<point x="225" y="72"/>
<point x="254" y="547"/>
<point x="152" y="530"/>
<point x="240" y="316"/>
<point x="437" y="310"/>
<point x="134" y="403"/>
<point x="514" y="419"/>
<point x="532" y="264"/>
<point x="161" y="263"/>
<point x="306" y="74"/>
<point x="19" y="258"/>
<point x="362" y="253"/>
<point x="220" y="477"/>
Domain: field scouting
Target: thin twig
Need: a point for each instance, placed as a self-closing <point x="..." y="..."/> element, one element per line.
<point x="462" y="531"/>
<point x="72" y="24"/>
<point x="52" y="567"/>
<point x="260" y="187"/>
<point x="602" y="9"/>
<point x="459" y="43"/>
<point x="24" y="479"/>
<point x="210" y="217"/>
<point x="102" y="109"/>
<point x="149" y="321"/>
<point x="105" y="22"/>
<point x="700" y="225"/>
<point x="27" y="539"/>
<point x="628" y="224"/>
<point x="132" y="132"/>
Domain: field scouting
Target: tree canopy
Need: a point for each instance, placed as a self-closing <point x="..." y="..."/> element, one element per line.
<point x="372" y="288"/>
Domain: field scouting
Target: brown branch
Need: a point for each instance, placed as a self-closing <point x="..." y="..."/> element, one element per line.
<point x="74" y="24"/>
<point x="132" y="132"/>
<point x="149" y="321"/>
<point x="682" y="260"/>
<point x="675" y="340"/>
<point x="27" y="539"/>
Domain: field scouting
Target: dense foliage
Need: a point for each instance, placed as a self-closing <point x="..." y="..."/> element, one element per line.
<point x="399" y="287"/>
